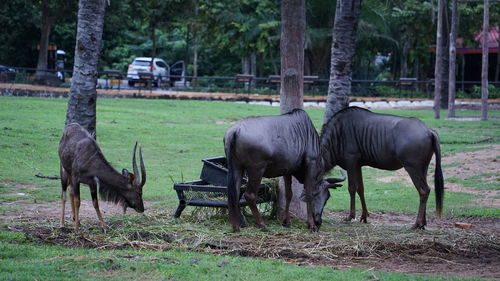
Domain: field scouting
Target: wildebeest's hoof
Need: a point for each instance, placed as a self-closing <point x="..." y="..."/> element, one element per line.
<point x="363" y="219"/>
<point x="236" y="229"/>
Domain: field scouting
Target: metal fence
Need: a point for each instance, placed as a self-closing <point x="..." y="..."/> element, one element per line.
<point x="240" y="83"/>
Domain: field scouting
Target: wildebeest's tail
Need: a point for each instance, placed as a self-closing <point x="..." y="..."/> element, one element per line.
<point x="438" y="175"/>
<point x="232" y="190"/>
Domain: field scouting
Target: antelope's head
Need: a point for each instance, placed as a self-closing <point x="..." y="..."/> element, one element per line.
<point x="133" y="196"/>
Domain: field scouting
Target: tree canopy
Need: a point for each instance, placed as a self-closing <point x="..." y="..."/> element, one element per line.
<point x="224" y="34"/>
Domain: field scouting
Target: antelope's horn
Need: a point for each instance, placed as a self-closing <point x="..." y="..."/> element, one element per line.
<point x="143" y="169"/>
<point x="134" y="167"/>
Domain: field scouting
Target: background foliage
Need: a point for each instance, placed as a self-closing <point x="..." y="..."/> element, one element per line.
<point x="225" y="32"/>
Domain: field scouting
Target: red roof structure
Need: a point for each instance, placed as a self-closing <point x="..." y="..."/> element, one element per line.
<point x="493" y="37"/>
<point x="493" y="41"/>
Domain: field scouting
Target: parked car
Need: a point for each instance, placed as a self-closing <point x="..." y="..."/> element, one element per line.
<point x="160" y="69"/>
<point x="7" y="74"/>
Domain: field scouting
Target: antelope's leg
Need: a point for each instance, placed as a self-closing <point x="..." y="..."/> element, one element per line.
<point x="72" y="201"/>
<point x="93" y="193"/>
<point x="63" y="205"/>
<point x="76" y="199"/>
<point x="64" y="187"/>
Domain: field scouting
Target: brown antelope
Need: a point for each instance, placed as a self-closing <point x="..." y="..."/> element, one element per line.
<point x="83" y="162"/>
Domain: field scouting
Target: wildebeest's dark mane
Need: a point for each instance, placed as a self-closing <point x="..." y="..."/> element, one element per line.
<point x="294" y="111"/>
<point x="328" y="135"/>
<point x="327" y="125"/>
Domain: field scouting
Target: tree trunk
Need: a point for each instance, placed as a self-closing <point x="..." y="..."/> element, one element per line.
<point x="343" y="47"/>
<point x="83" y="95"/>
<point x="446" y="47"/>
<point x="293" y="19"/>
<point x="41" y="75"/>
<point x="245" y="65"/>
<point x="452" y="60"/>
<point x="196" y="42"/>
<point x="497" y="69"/>
<point x="484" y="68"/>
<point x="253" y="67"/>
<point x="438" y="70"/>
<point x="403" y="72"/>
<point x="153" y="46"/>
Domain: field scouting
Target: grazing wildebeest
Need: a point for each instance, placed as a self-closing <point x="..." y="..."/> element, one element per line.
<point x="356" y="137"/>
<point x="271" y="146"/>
<point x="83" y="162"/>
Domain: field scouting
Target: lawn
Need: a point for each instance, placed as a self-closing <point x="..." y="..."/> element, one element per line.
<point x="175" y="136"/>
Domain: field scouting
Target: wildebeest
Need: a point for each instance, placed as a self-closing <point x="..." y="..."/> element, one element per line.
<point x="83" y="162"/>
<point x="356" y="137"/>
<point x="272" y="146"/>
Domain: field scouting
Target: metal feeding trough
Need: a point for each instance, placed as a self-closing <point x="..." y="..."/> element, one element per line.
<point x="211" y="189"/>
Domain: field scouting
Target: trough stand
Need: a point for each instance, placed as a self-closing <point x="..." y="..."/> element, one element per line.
<point x="211" y="189"/>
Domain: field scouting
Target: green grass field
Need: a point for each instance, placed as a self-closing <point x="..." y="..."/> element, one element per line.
<point x="175" y="136"/>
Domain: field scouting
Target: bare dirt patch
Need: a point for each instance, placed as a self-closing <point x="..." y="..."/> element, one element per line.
<point x="464" y="165"/>
<point x="473" y="163"/>
<point x="33" y="211"/>
<point x="28" y="186"/>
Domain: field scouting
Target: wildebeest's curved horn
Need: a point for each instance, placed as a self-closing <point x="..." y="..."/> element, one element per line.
<point x="143" y="169"/>
<point x="335" y="180"/>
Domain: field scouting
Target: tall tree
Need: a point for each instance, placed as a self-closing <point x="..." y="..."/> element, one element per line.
<point x="438" y="70"/>
<point x="484" y="66"/>
<point x="452" y="59"/>
<point x="50" y="12"/>
<point x="292" y="82"/>
<point x="45" y="27"/>
<point x="497" y="68"/>
<point x="343" y="48"/>
<point x="83" y="95"/>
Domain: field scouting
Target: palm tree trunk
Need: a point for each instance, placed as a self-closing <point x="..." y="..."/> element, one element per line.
<point x="83" y="95"/>
<point x="196" y="42"/>
<point x="293" y="20"/>
<point x="292" y="54"/>
<point x="438" y="70"/>
<point x="46" y="25"/>
<point x="253" y="67"/>
<point x="453" y="59"/>
<point x="484" y="68"/>
<point x="343" y="47"/>
<point x="497" y="69"/>
<point x="446" y="61"/>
